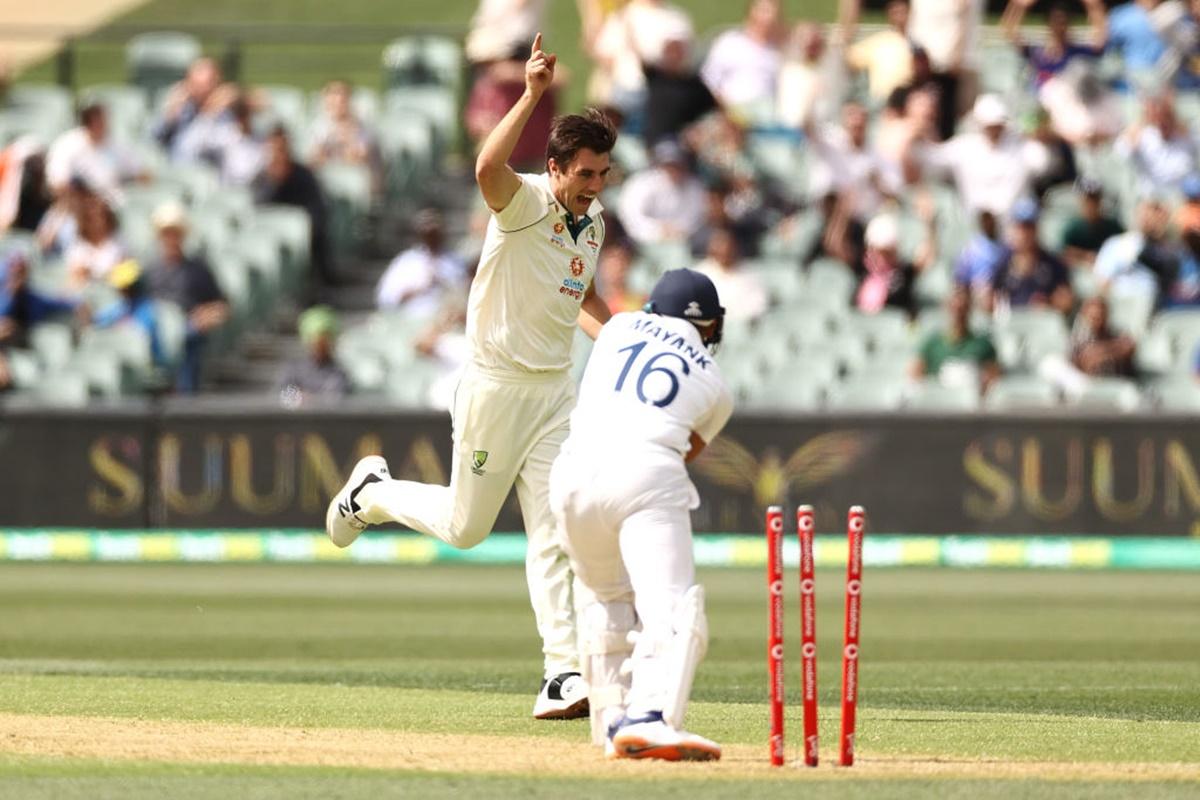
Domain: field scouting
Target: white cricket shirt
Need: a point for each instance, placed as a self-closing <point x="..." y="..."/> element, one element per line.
<point x="650" y="381"/>
<point x="524" y="302"/>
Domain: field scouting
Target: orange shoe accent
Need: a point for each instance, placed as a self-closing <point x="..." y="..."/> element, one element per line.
<point x="637" y="747"/>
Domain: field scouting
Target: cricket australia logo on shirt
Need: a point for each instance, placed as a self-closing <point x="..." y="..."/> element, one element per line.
<point x="478" y="459"/>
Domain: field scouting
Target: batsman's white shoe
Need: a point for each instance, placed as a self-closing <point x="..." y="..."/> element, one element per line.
<point x="650" y="737"/>
<point x="564" y="696"/>
<point x="342" y="522"/>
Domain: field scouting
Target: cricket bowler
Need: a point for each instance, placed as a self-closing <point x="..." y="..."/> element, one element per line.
<point x="651" y="398"/>
<point x="512" y="406"/>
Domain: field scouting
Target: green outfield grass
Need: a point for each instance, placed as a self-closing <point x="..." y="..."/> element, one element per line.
<point x="962" y="671"/>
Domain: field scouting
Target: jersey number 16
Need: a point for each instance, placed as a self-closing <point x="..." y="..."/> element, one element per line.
<point x="649" y="369"/>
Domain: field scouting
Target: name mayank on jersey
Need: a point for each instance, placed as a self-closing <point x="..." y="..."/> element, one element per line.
<point x="650" y="327"/>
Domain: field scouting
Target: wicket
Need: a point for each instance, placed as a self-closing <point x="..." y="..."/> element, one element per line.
<point x="855" y="529"/>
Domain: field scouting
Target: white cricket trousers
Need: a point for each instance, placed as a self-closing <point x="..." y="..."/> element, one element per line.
<point x="508" y="429"/>
<point x="626" y="526"/>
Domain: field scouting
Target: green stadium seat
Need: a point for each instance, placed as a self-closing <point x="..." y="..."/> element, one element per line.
<point x="1084" y="283"/>
<point x="62" y="390"/>
<point x="409" y="387"/>
<point x="1180" y="394"/>
<point x="788" y="390"/>
<point x="832" y="281"/>
<point x="1131" y="313"/>
<point x="865" y="392"/>
<point x="234" y="277"/>
<point x="932" y="396"/>
<point x="23" y="367"/>
<point x="368" y="372"/>
<point x="934" y="285"/>
<point x="1108" y="394"/>
<point x="667" y="255"/>
<point x="143" y="198"/>
<point x="199" y="181"/>
<point x="630" y="154"/>
<point x="292" y="228"/>
<point x="435" y="103"/>
<point x="785" y="286"/>
<point x="421" y="60"/>
<point x="887" y="325"/>
<point x="1181" y="327"/>
<point x="1020" y="393"/>
<point x="263" y="257"/>
<point x="52" y="342"/>
<point x="1154" y="354"/>
<point x="283" y="105"/>
<point x="158" y="59"/>
<point x="128" y="343"/>
<point x="51" y="104"/>
<point x="234" y="202"/>
<point x="102" y="370"/>
<point x="349" y="184"/>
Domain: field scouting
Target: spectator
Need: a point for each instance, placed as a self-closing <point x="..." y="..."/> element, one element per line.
<point x="87" y="152"/>
<point x="135" y="307"/>
<point x="1031" y="276"/>
<point x="850" y="165"/>
<point x="1142" y="262"/>
<point x="241" y="153"/>
<point x="1049" y="59"/>
<point x="444" y="344"/>
<point x="1087" y="231"/>
<point x="885" y="56"/>
<point x="810" y="80"/>
<point x="958" y="356"/>
<point x="1097" y="351"/>
<point x="194" y="110"/>
<point x="24" y="196"/>
<point x="885" y="278"/>
<point x="993" y="166"/>
<point x="187" y="282"/>
<point x="982" y="256"/>
<point x="1187" y="216"/>
<point x="625" y="43"/>
<point x="96" y="249"/>
<point x="315" y="375"/>
<point x="743" y="64"/>
<point x="339" y="136"/>
<point x="1132" y="32"/>
<point x="499" y="27"/>
<point x="418" y="279"/>
<point x="937" y="88"/>
<point x="741" y="291"/>
<point x="288" y="182"/>
<point x="665" y="203"/>
<point x="1159" y="146"/>
<point x="497" y="89"/>
<point x="842" y="236"/>
<point x="908" y="121"/>
<point x="731" y="208"/>
<point x="719" y="144"/>
<point x="948" y="31"/>
<point x="675" y="95"/>
<point x="616" y="262"/>
<point x="22" y="306"/>
<point x="59" y="228"/>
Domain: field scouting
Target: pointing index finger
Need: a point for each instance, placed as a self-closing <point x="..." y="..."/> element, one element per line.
<point x="537" y="43"/>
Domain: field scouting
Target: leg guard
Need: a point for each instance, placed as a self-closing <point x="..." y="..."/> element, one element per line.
<point x="603" y="630"/>
<point x="683" y="654"/>
<point x="666" y="659"/>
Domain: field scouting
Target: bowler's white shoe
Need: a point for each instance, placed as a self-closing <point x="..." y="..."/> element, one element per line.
<point x="564" y="696"/>
<point x="651" y="737"/>
<point x="342" y="522"/>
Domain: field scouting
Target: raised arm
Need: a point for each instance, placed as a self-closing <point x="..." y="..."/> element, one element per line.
<point x="1097" y="16"/>
<point x="1010" y="22"/>
<point x="848" y="14"/>
<point x="497" y="180"/>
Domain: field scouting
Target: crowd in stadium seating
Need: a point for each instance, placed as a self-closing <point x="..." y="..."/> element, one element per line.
<point x="888" y="221"/>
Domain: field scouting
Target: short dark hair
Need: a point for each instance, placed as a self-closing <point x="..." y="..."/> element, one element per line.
<point x="571" y="133"/>
<point x="90" y="113"/>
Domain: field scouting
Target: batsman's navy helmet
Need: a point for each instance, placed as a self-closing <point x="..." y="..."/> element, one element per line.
<point x="689" y="295"/>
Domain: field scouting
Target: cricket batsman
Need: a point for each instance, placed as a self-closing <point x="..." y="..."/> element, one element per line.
<point x="650" y="400"/>
<point x="513" y="403"/>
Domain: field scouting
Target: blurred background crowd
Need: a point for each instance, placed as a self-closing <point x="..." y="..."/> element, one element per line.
<point x="928" y="212"/>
